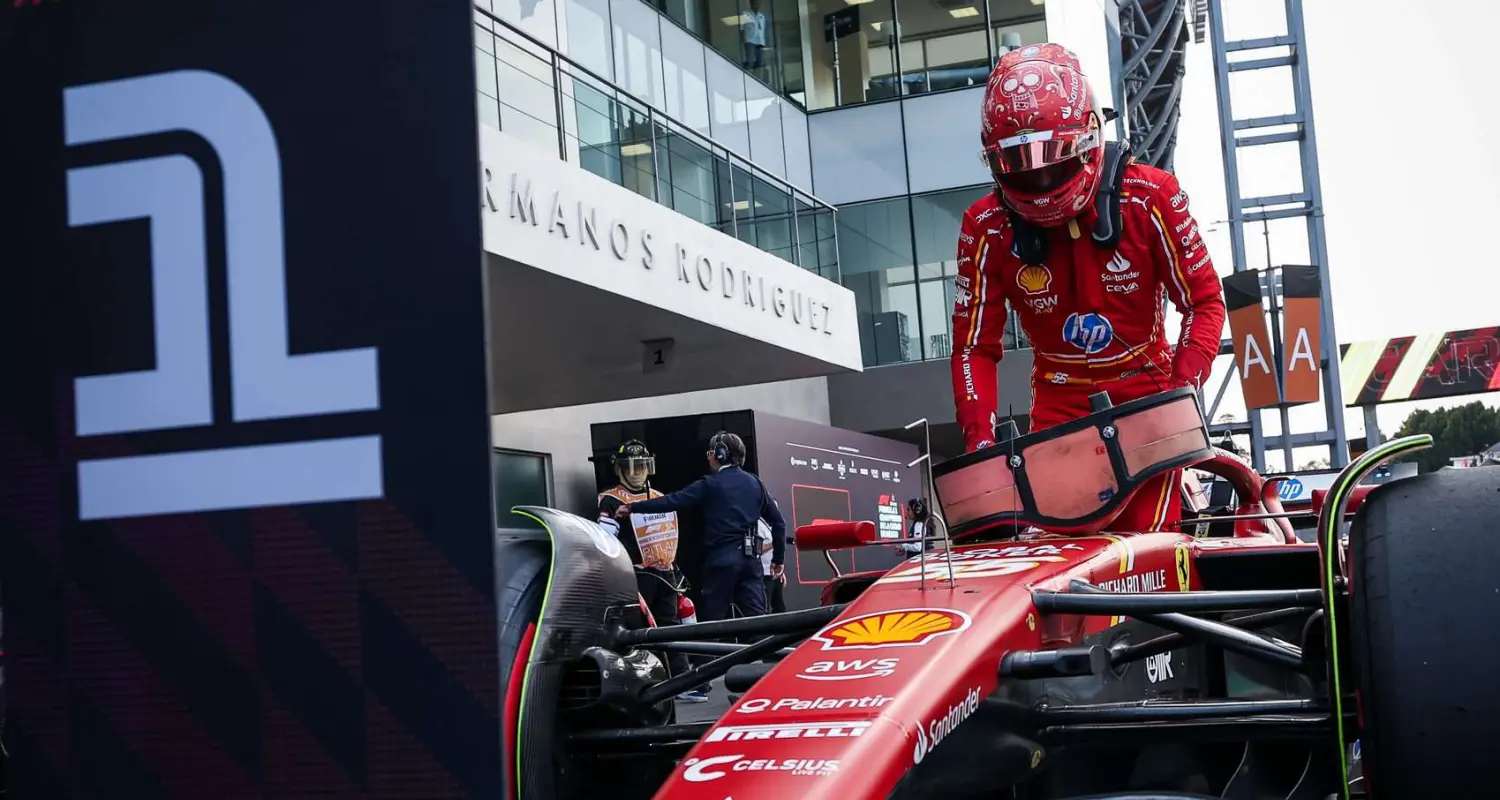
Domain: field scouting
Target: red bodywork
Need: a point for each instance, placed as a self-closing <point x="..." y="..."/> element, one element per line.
<point x="840" y="717"/>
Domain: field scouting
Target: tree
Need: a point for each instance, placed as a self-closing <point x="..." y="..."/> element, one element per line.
<point x="1464" y="430"/>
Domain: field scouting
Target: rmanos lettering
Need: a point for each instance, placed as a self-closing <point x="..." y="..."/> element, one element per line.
<point x="935" y="731"/>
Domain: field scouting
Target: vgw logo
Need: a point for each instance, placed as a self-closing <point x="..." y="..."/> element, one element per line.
<point x="1089" y="332"/>
<point x="266" y="381"/>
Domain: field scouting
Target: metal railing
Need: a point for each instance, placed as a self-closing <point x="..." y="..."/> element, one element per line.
<point x="616" y="135"/>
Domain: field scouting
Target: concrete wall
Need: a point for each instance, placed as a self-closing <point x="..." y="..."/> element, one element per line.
<point x="564" y="432"/>
<point x="886" y="398"/>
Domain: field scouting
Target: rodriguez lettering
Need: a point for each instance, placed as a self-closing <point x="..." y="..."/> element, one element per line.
<point x="577" y="220"/>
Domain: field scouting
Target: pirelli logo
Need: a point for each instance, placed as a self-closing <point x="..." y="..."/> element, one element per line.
<point x="1420" y="367"/>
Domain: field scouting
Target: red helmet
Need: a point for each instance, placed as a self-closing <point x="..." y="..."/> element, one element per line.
<point x="1042" y="134"/>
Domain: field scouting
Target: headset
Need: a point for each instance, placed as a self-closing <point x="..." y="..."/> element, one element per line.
<point x="719" y="444"/>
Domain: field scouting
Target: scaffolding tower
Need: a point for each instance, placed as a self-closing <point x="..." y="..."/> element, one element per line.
<point x="1153" y="59"/>
<point x="1283" y="51"/>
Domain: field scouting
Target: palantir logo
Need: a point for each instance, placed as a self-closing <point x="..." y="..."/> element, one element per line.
<point x="1089" y="332"/>
<point x="266" y="381"/>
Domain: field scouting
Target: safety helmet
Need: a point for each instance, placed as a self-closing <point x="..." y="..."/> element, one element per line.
<point x="1042" y="134"/>
<point x="634" y="464"/>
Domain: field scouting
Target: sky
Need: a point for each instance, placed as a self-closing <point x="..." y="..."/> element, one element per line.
<point x="1402" y="108"/>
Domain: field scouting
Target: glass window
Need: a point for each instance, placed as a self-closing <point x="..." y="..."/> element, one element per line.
<point x="876" y="263"/>
<point x="1014" y="23"/>
<point x="521" y="479"/>
<point x="485" y="73"/>
<point x="936" y="219"/>
<point x="637" y="157"/>
<point x="816" y="250"/>
<point x="857" y="64"/>
<point x="527" y="91"/>
<point x="689" y="173"/>
<point x="770" y="217"/>
<point x="593" y="138"/>
<point x="943" y="46"/>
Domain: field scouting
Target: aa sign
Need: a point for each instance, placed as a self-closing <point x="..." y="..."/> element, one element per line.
<point x="1302" y="326"/>
<point x="1253" y="354"/>
<point x="1263" y="380"/>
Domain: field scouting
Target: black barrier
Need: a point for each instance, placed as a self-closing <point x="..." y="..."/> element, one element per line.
<point x="244" y="467"/>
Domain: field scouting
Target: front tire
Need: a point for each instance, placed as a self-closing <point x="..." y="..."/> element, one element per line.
<point x="1425" y="614"/>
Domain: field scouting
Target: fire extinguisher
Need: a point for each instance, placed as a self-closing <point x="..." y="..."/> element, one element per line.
<point x="686" y="611"/>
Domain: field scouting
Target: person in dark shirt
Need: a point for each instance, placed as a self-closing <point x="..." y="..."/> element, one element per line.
<point x="732" y="502"/>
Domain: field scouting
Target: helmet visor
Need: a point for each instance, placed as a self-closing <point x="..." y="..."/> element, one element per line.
<point x="633" y="471"/>
<point x="1030" y="151"/>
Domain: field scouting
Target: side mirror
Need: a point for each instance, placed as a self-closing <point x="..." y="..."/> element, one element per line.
<point x="835" y="535"/>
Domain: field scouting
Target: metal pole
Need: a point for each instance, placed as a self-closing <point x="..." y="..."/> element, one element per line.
<point x="1316" y="243"/>
<point x="1372" y="427"/>
<point x="1232" y="188"/>
<point x="838" y="78"/>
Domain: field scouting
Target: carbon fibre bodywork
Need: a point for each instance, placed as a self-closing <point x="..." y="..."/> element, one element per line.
<point x="591" y="578"/>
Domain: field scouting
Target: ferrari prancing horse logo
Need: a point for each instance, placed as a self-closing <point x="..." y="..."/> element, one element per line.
<point x="1184" y="568"/>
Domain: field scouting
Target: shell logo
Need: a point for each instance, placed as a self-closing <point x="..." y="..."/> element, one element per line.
<point x="1034" y="279"/>
<point x="906" y="627"/>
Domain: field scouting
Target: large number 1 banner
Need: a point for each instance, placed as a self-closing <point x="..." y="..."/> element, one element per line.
<point x="244" y="473"/>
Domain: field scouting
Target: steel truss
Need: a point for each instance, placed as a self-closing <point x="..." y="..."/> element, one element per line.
<point x="1153" y="59"/>
<point x="1287" y="51"/>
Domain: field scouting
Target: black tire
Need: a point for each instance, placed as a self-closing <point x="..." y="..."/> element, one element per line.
<point x="520" y="598"/>
<point x="523" y="588"/>
<point x="1425" y="614"/>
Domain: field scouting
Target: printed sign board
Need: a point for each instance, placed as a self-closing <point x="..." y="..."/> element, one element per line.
<point x="245" y="486"/>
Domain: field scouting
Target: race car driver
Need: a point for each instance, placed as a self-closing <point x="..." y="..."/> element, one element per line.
<point x="1088" y="284"/>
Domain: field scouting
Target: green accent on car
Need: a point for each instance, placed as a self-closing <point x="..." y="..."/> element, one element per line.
<point x="526" y="680"/>
<point x="1330" y="521"/>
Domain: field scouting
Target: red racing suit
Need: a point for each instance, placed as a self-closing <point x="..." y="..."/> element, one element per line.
<point x="1095" y="318"/>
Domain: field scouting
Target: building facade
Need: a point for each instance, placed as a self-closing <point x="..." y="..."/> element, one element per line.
<point x="834" y="135"/>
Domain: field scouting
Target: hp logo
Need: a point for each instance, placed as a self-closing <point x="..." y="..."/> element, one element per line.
<point x="1089" y="332"/>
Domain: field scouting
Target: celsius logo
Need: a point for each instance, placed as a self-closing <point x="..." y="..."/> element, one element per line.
<point x="937" y="730"/>
<point x="700" y="770"/>
<point x="1089" y="332"/>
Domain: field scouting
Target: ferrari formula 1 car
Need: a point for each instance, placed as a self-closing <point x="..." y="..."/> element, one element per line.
<point x="1037" y="656"/>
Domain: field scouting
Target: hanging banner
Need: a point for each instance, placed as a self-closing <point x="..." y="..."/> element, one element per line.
<point x="1301" y="334"/>
<point x="1423" y="367"/>
<point x="1253" y="354"/>
<point x="245" y="496"/>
